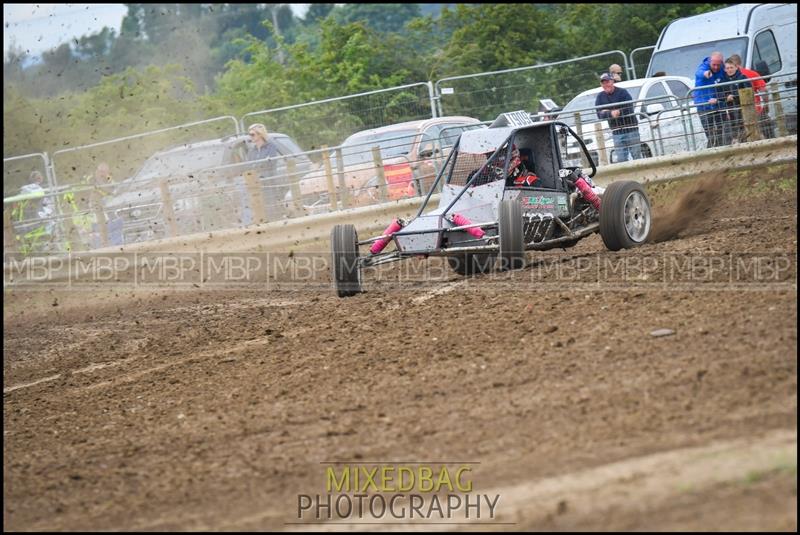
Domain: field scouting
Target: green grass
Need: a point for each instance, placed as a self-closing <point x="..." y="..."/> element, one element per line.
<point x="783" y="466"/>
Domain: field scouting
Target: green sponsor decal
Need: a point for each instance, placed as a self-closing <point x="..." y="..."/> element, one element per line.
<point x="535" y="200"/>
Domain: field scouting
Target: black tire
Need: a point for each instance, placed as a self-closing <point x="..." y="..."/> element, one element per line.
<point x="512" y="237"/>
<point x="345" y="269"/>
<point x="646" y="152"/>
<point x="471" y="263"/>
<point x="617" y="233"/>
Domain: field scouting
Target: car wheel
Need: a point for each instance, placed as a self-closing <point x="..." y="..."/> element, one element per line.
<point x="512" y="237"/>
<point x="471" y="263"/>
<point x="646" y="152"/>
<point x="625" y="218"/>
<point x="346" y="269"/>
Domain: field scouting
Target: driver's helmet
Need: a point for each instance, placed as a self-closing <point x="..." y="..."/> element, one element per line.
<point x="514" y="165"/>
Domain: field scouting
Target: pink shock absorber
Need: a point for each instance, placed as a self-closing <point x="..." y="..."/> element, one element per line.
<point x="460" y="221"/>
<point x="378" y="246"/>
<point x="588" y="194"/>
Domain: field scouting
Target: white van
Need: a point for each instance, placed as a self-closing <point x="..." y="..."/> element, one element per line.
<point x="764" y="36"/>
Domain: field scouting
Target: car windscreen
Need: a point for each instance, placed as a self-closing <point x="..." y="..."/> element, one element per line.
<point x="358" y="150"/>
<point x="683" y="61"/>
<point x="586" y="105"/>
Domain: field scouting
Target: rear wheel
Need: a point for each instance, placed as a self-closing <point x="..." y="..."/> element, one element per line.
<point x="346" y="271"/>
<point x="625" y="218"/>
<point x="512" y="237"/>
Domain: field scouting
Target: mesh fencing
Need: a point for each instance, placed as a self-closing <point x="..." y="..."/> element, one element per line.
<point x="327" y="122"/>
<point x="486" y="95"/>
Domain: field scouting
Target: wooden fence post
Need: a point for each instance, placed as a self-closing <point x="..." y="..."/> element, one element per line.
<point x="256" y="196"/>
<point x="9" y="238"/>
<point x="326" y="160"/>
<point x="602" y="154"/>
<point x="777" y="105"/>
<point x="169" y="213"/>
<point x="294" y="184"/>
<point x="383" y="192"/>
<point x="102" y="224"/>
<point x="749" y="115"/>
<point x="345" y="193"/>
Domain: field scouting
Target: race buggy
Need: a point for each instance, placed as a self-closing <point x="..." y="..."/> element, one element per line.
<point x="506" y="191"/>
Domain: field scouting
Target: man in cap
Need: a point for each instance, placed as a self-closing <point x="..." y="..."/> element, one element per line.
<point x="616" y="106"/>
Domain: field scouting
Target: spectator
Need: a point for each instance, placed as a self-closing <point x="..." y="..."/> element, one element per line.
<point x="709" y="73"/>
<point x="31" y="215"/>
<point x="43" y="208"/>
<point x="100" y="184"/>
<point x="621" y="119"/>
<point x="760" y="90"/>
<point x="272" y="193"/>
<point x="616" y="72"/>
<point x="730" y="106"/>
<point x="262" y="146"/>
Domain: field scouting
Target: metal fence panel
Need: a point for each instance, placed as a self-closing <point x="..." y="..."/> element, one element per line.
<point x="486" y="95"/>
<point x="330" y="121"/>
<point x="640" y="60"/>
<point x="17" y="171"/>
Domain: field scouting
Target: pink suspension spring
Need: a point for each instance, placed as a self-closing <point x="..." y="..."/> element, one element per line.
<point x="460" y="221"/>
<point x="588" y="193"/>
<point x="378" y="246"/>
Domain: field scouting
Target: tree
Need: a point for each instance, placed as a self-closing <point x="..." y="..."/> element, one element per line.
<point x="317" y="12"/>
<point x="498" y="36"/>
<point x="383" y="18"/>
<point x="97" y="45"/>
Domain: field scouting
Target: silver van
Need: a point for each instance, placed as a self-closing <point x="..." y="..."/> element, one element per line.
<point x="763" y="35"/>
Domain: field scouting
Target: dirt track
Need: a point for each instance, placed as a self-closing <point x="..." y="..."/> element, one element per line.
<point x="213" y="409"/>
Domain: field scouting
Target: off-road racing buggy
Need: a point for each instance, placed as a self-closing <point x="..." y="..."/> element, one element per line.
<point x="506" y="191"/>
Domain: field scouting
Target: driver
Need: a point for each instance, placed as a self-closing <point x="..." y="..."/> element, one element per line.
<point x="518" y="174"/>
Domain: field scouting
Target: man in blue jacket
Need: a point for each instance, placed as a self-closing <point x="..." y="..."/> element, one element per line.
<point x="623" y="123"/>
<point x="709" y="73"/>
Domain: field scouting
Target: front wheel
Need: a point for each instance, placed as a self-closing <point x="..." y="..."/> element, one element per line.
<point x="625" y="217"/>
<point x="512" y="237"/>
<point x="346" y="269"/>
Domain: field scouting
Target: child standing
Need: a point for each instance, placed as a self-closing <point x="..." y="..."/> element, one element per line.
<point x="728" y="96"/>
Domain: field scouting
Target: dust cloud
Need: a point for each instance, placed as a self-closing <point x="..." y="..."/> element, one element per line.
<point x="690" y="206"/>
